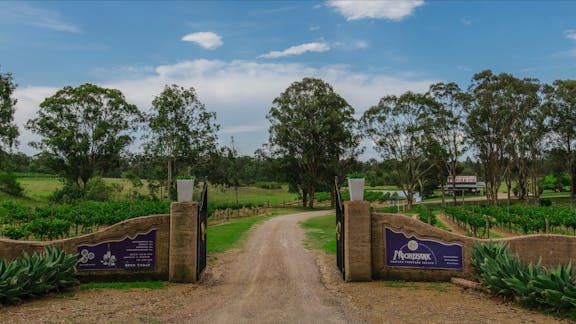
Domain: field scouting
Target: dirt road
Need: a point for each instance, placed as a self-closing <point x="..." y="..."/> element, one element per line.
<point x="274" y="280"/>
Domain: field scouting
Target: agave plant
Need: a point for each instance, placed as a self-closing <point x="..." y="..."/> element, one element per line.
<point x="556" y="289"/>
<point x="36" y="275"/>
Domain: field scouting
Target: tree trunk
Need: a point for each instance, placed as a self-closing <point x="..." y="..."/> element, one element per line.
<point x="409" y="196"/>
<point x="311" y="191"/>
<point x="304" y="197"/>
<point x="572" y="172"/>
<point x="508" y="187"/>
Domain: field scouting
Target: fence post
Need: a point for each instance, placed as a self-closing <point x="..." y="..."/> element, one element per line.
<point x="357" y="241"/>
<point x="183" y="242"/>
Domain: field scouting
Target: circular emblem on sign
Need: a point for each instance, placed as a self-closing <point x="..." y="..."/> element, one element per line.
<point x="412" y="245"/>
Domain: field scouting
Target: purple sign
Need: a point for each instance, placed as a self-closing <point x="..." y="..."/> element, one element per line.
<point x="412" y="252"/>
<point x="125" y="254"/>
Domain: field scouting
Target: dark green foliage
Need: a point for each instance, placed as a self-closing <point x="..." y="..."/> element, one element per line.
<point x="10" y="185"/>
<point x="49" y="228"/>
<point x="535" y="286"/>
<point x="15" y="232"/>
<point x="57" y="221"/>
<point x="36" y="275"/>
<point x="314" y="130"/>
<point x="268" y="185"/>
<point x="181" y="132"/>
<point x="69" y="193"/>
<point x="426" y="215"/>
<point x="472" y="217"/>
<point x="84" y="129"/>
<point x="8" y="130"/>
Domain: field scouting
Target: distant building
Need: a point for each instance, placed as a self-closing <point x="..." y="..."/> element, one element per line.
<point x="465" y="185"/>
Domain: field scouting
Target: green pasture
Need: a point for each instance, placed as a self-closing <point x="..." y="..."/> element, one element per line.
<point x="37" y="191"/>
<point x="254" y="195"/>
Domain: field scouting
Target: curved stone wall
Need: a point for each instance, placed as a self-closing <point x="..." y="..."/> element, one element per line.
<point x="11" y="249"/>
<point x="551" y="249"/>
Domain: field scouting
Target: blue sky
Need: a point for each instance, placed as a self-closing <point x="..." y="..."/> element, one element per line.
<point x="240" y="55"/>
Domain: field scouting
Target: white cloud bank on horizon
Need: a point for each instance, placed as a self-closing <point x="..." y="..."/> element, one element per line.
<point x="207" y="40"/>
<point x="570" y="34"/>
<point x="298" y="50"/>
<point x="26" y="14"/>
<point x="240" y="92"/>
<point x="383" y="9"/>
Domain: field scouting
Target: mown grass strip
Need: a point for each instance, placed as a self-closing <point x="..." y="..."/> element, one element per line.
<point x="124" y="285"/>
<point x="229" y="236"/>
<point x="320" y="233"/>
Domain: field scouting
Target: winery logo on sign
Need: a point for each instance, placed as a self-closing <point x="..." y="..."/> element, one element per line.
<point x="416" y="253"/>
<point x="412" y="252"/>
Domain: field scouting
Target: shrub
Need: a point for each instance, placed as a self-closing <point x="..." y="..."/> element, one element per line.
<point x="15" y="232"/>
<point x="533" y="285"/>
<point x="36" y="275"/>
<point x="322" y="196"/>
<point x="545" y="202"/>
<point x="426" y="215"/>
<point x="98" y="190"/>
<point x="69" y="193"/>
<point x="10" y="185"/>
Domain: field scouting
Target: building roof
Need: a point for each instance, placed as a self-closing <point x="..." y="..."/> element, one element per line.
<point x="463" y="179"/>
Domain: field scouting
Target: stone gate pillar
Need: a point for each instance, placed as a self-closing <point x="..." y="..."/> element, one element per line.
<point x="183" y="242"/>
<point x="357" y="241"/>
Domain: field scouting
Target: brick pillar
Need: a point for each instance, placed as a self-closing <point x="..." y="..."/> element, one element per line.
<point x="183" y="244"/>
<point x="357" y="235"/>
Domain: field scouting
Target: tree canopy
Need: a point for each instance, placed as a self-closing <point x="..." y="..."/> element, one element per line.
<point x="403" y="130"/>
<point x="561" y="104"/>
<point x="313" y="128"/>
<point x="181" y="132"/>
<point x="8" y="130"/>
<point x="86" y="128"/>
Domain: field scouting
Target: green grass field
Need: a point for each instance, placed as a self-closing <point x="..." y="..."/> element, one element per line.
<point x="320" y="233"/>
<point x="37" y="192"/>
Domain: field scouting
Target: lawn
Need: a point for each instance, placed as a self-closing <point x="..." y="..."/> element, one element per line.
<point x="320" y="233"/>
<point x="230" y="235"/>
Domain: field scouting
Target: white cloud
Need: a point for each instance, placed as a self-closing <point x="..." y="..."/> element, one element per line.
<point x="243" y="129"/>
<point x="240" y="92"/>
<point x="570" y="34"/>
<point x="208" y="40"/>
<point x="298" y="50"/>
<point x="26" y="14"/>
<point x="383" y="9"/>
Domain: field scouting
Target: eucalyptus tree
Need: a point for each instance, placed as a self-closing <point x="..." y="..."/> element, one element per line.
<point x="84" y="128"/>
<point x="181" y="131"/>
<point x="313" y="129"/>
<point x="449" y="120"/>
<point x="403" y="130"/>
<point x="522" y="97"/>
<point x="8" y="130"/>
<point x="561" y="104"/>
<point x="488" y="125"/>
